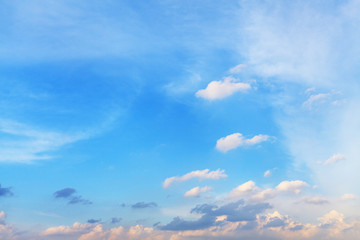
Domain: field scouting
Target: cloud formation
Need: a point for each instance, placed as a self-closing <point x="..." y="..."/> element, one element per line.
<point x="222" y="89"/>
<point x="5" y="192"/>
<point x="199" y="174"/>
<point x="68" y="194"/>
<point x="196" y="191"/>
<point x="27" y="143"/>
<point x="334" y="159"/>
<point x="250" y="190"/>
<point x="235" y="140"/>
<point x="140" y="205"/>
<point x="232" y="212"/>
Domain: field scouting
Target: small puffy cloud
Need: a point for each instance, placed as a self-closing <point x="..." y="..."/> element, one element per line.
<point x="291" y="186"/>
<point x="348" y="196"/>
<point x="237" y="69"/>
<point x="243" y="189"/>
<point x="222" y="89"/>
<point x="4" y="192"/>
<point x="314" y="200"/>
<point x="92" y="221"/>
<point x="68" y="194"/>
<point x="294" y="187"/>
<point x="235" y="140"/>
<point x="267" y="173"/>
<point x="196" y="191"/>
<point x="265" y="194"/>
<point x="115" y="220"/>
<point x="334" y="159"/>
<point x="140" y="205"/>
<point x="64" y="193"/>
<point x="76" y="228"/>
<point x="199" y="174"/>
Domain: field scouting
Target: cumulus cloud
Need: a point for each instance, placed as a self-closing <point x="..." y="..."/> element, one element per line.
<point x="334" y="159"/>
<point x="235" y="140"/>
<point x="291" y="186"/>
<point x="196" y="191"/>
<point x="244" y="189"/>
<point x="251" y="191"/>
<point x="199" y="174"/>
<point x="5" y="192"/>
<point x="222" y="89"/>
<point x="140" y="205"/>
<point x="68" y="194"/>
<point x="232" y="212"/>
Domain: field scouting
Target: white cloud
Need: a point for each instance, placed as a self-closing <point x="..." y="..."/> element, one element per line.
<point x="237" y="69"/>
<point x="267" y="173"/>
<point x="315" y="99"/>
<point x="196" y="191"/>
<point x="26" y="144"/>
<point x="294" y="187"/>
<point x="334" y="159"/>
<point x="199" y="174"/>
<point x="348" y="196"/>
<point x="235" y="140"/>
<point x="243" y="189"/>
<point x="291" y="186"/>
<point x="222" y="89"/>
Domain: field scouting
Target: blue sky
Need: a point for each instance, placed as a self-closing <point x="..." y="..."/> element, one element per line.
<point x="179" y="119"/>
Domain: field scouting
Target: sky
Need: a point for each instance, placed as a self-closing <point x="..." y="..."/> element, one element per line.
<point x="179" y="119"/>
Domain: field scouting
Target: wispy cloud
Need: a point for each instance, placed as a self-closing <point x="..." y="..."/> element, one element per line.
<point x="199" y="174"/>
<point x="22" y="143"/>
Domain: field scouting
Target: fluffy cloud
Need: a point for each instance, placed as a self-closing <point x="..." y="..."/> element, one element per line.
<point x="199" y="174"/>
<point x="222" y="89"/>
<point x="235" y="140"/>
<point x="250" y="190"/>
<point x="68" y="194"/>
<point x="243" y="189"/>
<point x="232" y="212"/>
<point x="291" y="186"/>
<point x="196" y="191"/>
